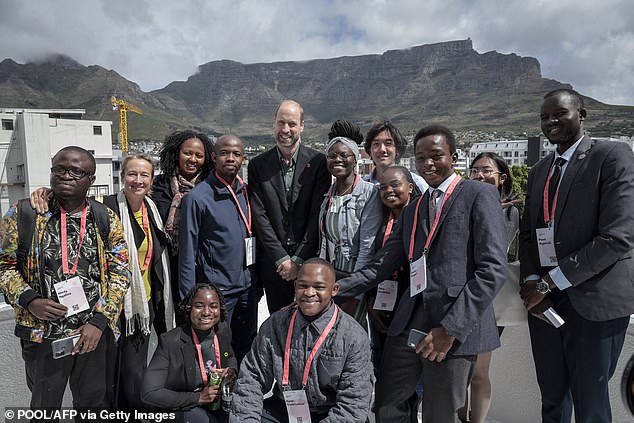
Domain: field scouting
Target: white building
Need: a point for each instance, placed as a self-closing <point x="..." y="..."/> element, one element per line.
<point x="514" y="152"/>
<point x="30" y="137"/>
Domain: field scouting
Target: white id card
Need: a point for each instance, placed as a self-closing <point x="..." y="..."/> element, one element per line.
<point x="418" y="276"/>
<point x="546" y="246"/>
<point x="297" y="406"/>
<point x="386" y="296"/>
<point x="70" y="293"/>
<point x="249" y="248"/>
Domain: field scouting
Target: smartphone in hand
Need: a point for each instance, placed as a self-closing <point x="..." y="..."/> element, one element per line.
<point x="64" y="346"/>
<point x="415" y="336"/>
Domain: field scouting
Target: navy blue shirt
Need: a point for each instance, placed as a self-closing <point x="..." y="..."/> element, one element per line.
<point x="211" y="240"/>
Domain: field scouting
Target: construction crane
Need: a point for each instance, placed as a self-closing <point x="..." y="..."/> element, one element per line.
<point x="123" y="109"/>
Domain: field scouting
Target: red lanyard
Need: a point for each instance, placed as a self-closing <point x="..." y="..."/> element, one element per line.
<point x="287" y="350"/>
<point x="549" y="215"/>
<point x="432" y="230"/>
<point x="246" y="221"/>
<point x="201" y="363"/>
<point x="388" y="228"/>
<point x="146" y="229"/>
<point x="333" y="187"/>
<point x="82" y="233"/>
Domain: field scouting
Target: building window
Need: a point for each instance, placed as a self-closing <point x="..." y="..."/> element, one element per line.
<point x="517" y="154"/>
<point x="7" y="124"/>
<point x="98" y="191"/>
<point x="96" y="130"/>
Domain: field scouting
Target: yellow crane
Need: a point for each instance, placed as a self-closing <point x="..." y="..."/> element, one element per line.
<point x="123" y="109"/>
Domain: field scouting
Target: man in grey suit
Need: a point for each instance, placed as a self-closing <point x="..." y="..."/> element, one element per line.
<point x="576" y="252"/>
<point x="464" y="261"/>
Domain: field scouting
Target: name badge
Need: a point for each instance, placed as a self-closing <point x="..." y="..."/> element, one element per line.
<point x="386" y="296"/>
<point x="418" y="276"/>
<point x="70" y="293"/>
<point x="297" y="406"/>
<point x="546" y="246"/>
<point x="249" y="249"/>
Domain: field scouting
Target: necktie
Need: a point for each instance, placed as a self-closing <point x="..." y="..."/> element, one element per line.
<point x="554" y="180"/>
<point x="433" y="202"/>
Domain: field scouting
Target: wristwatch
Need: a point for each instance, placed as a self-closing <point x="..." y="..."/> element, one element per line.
<point x="542" y="287"/>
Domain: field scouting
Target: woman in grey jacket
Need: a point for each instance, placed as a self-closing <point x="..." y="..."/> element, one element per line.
<point x="350" y="214"/>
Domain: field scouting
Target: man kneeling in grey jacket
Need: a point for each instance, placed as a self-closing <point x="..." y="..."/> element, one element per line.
<point x="316" y="358"/>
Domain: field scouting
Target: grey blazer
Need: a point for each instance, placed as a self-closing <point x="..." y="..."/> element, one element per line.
<point x="466" y="267"/>
<point x="594" y="227"/>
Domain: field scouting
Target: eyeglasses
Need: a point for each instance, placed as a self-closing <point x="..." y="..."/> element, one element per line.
<point x="333" y="155"/>
<point x="73" y="173"/>
<point x="485" y="171"/>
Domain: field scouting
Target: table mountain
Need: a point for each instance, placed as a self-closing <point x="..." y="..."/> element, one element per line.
<point x="448" y="83"/>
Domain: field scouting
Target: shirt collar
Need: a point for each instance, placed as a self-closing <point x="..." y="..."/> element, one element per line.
<point x="283" y="160"/>
<point x="319" y="323"/>
<point x="568" y="153"/>
<point x="445" y="184"/>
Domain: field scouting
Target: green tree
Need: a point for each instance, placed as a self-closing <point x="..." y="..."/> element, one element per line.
<point x="520" y="181"/>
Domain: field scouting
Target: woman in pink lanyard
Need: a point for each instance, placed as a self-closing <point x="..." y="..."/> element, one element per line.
<point x="192" y="361"/>
<point x="349" y="216"/>
<point x="492" y="169"/>
<point x="396" y="190"/>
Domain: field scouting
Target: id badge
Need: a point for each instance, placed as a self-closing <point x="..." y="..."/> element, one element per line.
<point x="418" y="276"/>
<point x="249" y="249"/>
<point x="297" y="406"/>
<point x="386" y="296"/>
<point x="70" y="293"/>
<point x="546" y="246"/>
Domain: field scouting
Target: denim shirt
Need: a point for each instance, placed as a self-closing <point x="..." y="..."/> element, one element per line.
<point x="358" y="223"/>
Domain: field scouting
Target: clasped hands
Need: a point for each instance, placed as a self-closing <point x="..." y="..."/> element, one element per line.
<point x="288" y="270"/>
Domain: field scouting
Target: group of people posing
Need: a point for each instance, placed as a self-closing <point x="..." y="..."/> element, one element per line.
<point x="381" y="281"/>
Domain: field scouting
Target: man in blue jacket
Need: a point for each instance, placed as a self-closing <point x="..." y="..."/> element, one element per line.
<point x="217" y="243"/>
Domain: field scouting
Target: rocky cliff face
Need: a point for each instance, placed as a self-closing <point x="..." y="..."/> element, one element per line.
<point x="446" y="83"/>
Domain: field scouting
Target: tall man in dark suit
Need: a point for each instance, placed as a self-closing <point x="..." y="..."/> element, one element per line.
<point x="287" y="186"/>
<point x="459" y="244"/>
<point x="576" y="244"/>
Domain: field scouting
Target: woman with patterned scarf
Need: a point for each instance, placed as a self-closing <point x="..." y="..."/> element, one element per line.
<point x="185" y="160"/>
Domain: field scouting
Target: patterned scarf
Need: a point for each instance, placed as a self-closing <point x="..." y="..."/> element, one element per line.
<point x="180" y="186"/>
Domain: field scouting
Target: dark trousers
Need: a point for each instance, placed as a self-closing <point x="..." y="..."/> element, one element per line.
<point x="242" y="315"/>
<point x="46" y="377"/>
<point x="132" y="355"/>
<point x="580" y="357"/>
<point x="444" y="383"/>
<point x="279" y="293"/>
<point x="200" y="414"/>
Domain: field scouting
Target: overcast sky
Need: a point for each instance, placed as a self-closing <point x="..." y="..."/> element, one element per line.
<point x="587" y="43"/>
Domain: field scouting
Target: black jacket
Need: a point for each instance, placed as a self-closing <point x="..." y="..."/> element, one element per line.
<point x="170" y="379"/>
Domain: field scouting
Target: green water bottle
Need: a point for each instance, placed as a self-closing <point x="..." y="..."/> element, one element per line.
<point x="215" y="377"/>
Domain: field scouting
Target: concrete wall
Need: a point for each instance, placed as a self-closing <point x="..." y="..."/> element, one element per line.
<point x="515" y="397"/>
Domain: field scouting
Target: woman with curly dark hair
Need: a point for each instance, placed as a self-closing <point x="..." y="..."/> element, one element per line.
<point x="185" y="160"/>
<point x="191" y="360"/>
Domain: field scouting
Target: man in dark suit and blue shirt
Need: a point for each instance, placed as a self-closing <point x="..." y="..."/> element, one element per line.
<point x="576" y="255"/>
<point x="455" y="240"/>
<point x="287" y="183"/>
